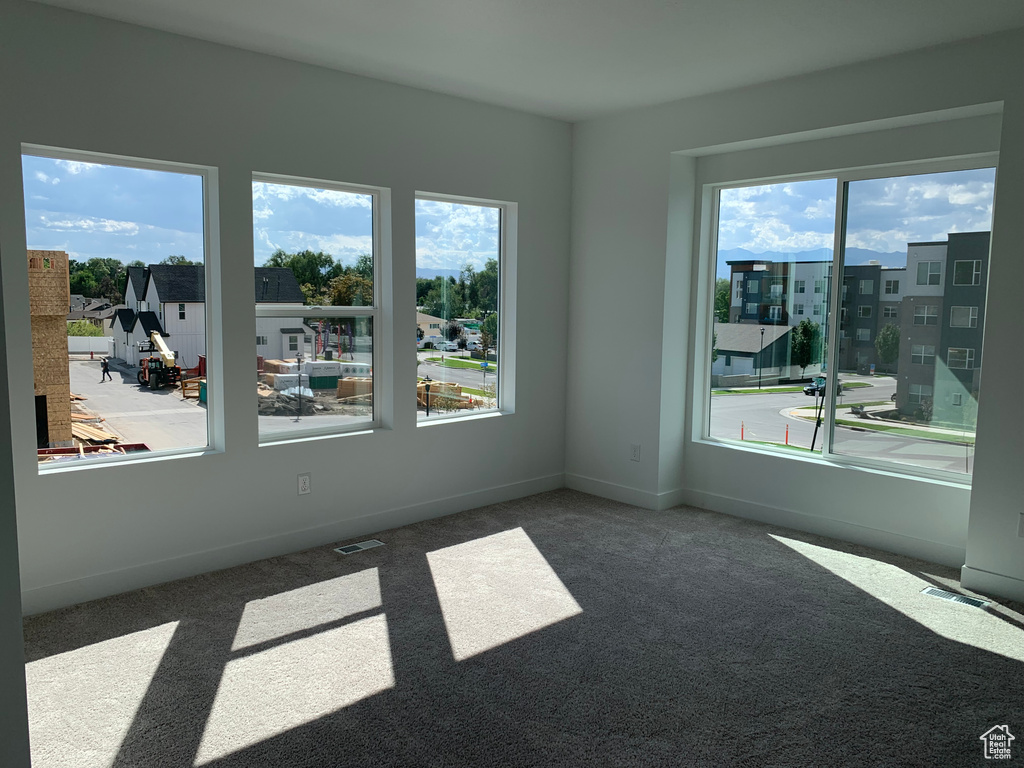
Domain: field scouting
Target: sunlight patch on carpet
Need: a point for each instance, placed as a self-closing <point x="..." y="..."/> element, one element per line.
<point x="901" y="590"/>
<point x="307" y="607"/>
<point x="265" y="694"/>
<point x="82" y="702"/>
<point x="496" y="589"/>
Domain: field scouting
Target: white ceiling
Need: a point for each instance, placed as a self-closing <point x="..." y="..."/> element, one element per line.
<point x="571" y="59"/>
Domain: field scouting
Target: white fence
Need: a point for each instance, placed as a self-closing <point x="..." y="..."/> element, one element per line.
<point x="83" y="345"/>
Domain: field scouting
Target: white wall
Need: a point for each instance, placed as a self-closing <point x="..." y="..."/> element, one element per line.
<point x="633" y="246"/>
<point x="99" y="85"/>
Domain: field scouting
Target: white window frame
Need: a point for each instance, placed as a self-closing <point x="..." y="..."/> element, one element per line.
<point x="890" y="312"/>
<point x="775" y="313"/>
<point x="508" y="280"/>
<point x="968" y="358"/>
<point x="798" y="309"/>
<point x="937" y="272"/>
<point x="261" y="341"/>
<point x="181" y="311"/>
<point x="799" y="286"/>
<point x="867" y="286"/>
<point x="863" y="310"/>
<point x="972" y="321"/>
<point x="708" y="218"/>
<point x="975" y="272"/>
<point x="863" y="334"/>
<point x="214" y="308"/>
<point x="921" y="311"/>
<point x="918" y="397"/>
<point x="892" y="287"/>
<point x="380" y="311"/>
<point x="926" y="357"/>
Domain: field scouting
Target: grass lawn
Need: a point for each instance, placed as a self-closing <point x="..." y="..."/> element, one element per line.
<point x="908" y="432"/>
<point x="462" y="362"/>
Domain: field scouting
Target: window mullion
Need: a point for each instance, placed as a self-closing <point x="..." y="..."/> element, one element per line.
<point x="834" y="311"/>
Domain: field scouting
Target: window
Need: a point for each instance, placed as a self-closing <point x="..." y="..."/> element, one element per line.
<point x="261" y="341"/>
<point x="922" y="354"/>
<point x="318" y="307"/>
<point x="459" y="237"/>
<point x="181" y="311"/>
<point x="960" y="358"/>
<point x="753" y="286"/>
<point x="963" y="317"/>
<point x="884" y="215"/>
<point x="967" y="272"/>
<point x="929" y="272"/>
<point x="751" y="308"/>
<point x="775" y="313"/>
<point x="958" y="399"/>
<point x="926" y="314"/>
<point x="799" y="286"/>
<point x="776" y="287"/>
<point x="90" y="221"/>
<point x="919" y="393"/>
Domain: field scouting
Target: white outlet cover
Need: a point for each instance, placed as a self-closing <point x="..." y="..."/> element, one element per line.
<point x="304" y="484"/>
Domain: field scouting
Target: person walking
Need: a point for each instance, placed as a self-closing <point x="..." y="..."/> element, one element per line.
<point x="105" y="365"/>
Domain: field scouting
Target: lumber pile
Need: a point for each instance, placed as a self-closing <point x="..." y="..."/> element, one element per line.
<point x="91" y="434"/>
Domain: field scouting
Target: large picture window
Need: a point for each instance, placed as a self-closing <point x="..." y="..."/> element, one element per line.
<point x="117" y="264"/>
<point x="461" y="324"/>
<point x="317" y="294"/>
<point x="888" y="388"/>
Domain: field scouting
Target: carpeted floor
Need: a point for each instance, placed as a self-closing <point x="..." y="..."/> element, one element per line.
<point x="556" y="630"/>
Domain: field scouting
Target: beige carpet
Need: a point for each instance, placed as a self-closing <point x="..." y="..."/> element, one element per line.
<point x="556" y="630"/>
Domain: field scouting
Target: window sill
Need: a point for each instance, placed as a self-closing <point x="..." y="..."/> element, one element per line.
<point x="431" y="420"/>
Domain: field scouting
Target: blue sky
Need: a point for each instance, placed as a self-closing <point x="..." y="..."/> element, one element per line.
<point x="884" y="214"/>
<point x="93" y="210"/>
<point x="106" y="211"/>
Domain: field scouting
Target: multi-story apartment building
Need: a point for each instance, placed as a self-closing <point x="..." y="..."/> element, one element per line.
<point x="942" y="326"/>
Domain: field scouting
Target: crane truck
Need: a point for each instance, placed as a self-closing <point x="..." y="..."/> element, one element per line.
<point x="155" y="372"/>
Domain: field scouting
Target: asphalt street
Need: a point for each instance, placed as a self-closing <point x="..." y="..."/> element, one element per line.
<point x="158" y="418"/>
<point x="764" y="417"/>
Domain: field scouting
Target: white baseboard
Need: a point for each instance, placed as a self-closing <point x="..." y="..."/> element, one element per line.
<point x="624" y="493"/>
<point x="53" y="596"/>
<point x="994" y="584"/>
<point x="923" y="549"/>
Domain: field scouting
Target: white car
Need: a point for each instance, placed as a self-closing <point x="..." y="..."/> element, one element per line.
<point x="447" y="346"/>
<point x="473" y="346"/>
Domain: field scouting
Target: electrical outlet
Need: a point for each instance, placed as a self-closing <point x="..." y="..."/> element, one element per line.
<point x="304" y="486"/>
<point x="634" y="452"/>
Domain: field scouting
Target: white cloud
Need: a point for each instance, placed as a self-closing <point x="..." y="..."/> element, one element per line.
<point x="40" y="176"/>
<point x="74" y="167"/>
<point x="266" y="193"/>
<point x="88" y="224"/>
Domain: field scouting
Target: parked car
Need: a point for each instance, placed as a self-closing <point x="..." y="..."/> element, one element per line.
<point x="473" y="346"/>
<point x="447" y="346"/>
<point x="817" y="388"/>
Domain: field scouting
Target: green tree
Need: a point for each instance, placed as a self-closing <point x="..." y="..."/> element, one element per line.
<point x="350" y="289"/>
<point x="490" y="326"/>
<point x="887" y="344"/>
<point x="722" y="289"/>
<point x="453" y="331"/>
<point x="179" y="261"/>
<point x="316" y="269"/>
<point x="714" y="346"/>
<point x="803" y="341"/>
<point x="83" y="328"/>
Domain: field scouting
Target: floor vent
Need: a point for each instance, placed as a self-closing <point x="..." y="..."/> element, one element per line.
<point x="350" y="549"/>
<point x="935" y="592"/>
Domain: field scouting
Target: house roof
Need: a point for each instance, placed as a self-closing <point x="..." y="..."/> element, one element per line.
<point x="149" y="323"/>
<point x="277" y="285"/>
<point x="292" y="330"/>
<point x="126" y="318"/>
<point x="137" y="276"/>
<point x="185" y="283"/>
<point x="746" y="337"/>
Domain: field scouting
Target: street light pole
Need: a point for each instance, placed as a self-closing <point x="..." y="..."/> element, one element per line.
<point x="426" y="383"/>
<point x="760" y="359"/>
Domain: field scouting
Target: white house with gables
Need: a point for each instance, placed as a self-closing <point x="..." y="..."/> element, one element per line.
<point x="171" y="299"/>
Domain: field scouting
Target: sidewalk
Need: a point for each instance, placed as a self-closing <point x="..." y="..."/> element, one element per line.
<point x="845" y="413"/>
